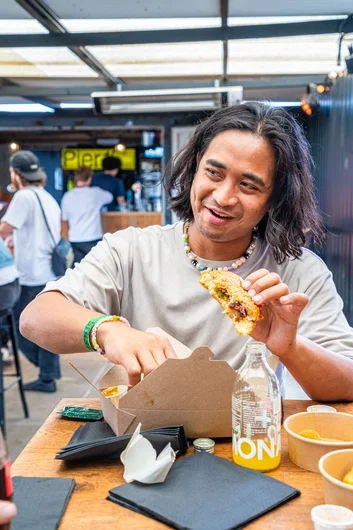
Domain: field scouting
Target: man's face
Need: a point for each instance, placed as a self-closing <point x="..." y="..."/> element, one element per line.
<point x="232" y="185"/>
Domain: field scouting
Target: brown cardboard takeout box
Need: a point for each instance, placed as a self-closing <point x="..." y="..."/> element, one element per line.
<point x="194" y="390"/>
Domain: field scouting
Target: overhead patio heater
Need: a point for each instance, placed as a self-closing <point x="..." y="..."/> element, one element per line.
<point x="166" y="100"/>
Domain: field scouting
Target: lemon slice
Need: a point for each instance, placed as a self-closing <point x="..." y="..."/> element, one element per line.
<point x="348" y="478"/>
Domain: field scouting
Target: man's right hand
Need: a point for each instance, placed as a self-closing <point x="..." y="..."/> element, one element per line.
<point x="7" y="511"/>
<point x="137" y="351"/>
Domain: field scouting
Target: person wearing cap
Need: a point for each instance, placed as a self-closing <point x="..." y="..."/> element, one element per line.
<point x="33" y="252"/>
<point x="108" y="180"/>
<point x="81" y="213"/>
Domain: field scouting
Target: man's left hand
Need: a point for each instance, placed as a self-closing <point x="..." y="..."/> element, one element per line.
<point x="280" y="310"/>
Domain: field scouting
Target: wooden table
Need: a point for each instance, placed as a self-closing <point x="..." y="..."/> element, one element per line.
<point x="88" y="507"/>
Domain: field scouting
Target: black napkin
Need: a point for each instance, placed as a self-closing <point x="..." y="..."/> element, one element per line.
<point x="91" y="432"/>
<point x="204" y="492"/>
<point x="97" y="440"/>
<point x="41" y="502"/>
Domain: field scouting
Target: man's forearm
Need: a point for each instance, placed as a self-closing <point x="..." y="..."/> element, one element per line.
<point x="65" y="230"/>
<point x="55" y="323"/>
<point x="5" y="230"/>
<point x="323" y="375"/>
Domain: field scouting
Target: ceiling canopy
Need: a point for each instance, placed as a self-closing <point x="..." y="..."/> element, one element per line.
<point x="87" y="45"/>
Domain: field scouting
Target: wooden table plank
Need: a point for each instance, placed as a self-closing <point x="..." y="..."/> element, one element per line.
<point x="88" y="507"/>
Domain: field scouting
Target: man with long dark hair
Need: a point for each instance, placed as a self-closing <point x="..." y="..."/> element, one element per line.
<point x="243" y="190"/>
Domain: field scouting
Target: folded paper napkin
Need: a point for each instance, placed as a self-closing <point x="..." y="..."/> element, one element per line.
<point x="90" y="433"/>
<point x="97" y="440"/>
<point x="41" y="502"/>
<point x="141" y="462"/>
<point x="204" y="492"/>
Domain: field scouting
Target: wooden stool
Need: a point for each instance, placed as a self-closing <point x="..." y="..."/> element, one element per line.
<point x="7" y="316"/>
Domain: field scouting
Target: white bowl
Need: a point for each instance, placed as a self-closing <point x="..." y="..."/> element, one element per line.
<point x="321" y="408"/>
<point x="332" y="517"/>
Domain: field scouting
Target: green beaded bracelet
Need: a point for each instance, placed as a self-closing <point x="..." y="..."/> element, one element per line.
<point x="87" y="331"/>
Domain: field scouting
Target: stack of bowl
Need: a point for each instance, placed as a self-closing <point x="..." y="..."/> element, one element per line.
<point x="332" y="456"/>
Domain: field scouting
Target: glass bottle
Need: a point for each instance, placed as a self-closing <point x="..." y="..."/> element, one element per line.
<point x="256" y="412"/>
<point x="5" y="476"/>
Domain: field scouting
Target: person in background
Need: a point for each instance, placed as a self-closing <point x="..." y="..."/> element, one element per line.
<point x="108" y="180"/>
<point x="80" y="213"/>
<point x="33" y="252"/>
<point x="9" y="294"/>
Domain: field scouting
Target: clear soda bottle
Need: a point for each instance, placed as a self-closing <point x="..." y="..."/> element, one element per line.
<point x="256" y="412"/>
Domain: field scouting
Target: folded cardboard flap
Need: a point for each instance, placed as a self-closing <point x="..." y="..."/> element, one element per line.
<point x="119" y="421"/>
<point x="195" y="383"/>
<point x="180" y="349"/>
<point x="117" y="375"/>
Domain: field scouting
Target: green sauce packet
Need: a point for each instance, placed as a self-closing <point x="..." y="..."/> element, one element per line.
<point x="81" y="413"/>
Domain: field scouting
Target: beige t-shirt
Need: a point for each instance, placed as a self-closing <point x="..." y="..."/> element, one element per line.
<point x="145" y="276"/>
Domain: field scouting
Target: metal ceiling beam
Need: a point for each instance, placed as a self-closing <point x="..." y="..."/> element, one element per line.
<point x="224" y="8"/>
<point x="43" y="101"/>
<point x="49" y="91"/>
<point x="34" y="98"/>
<point x="318" y="27"/>
<point x="84" y="91"/>
<point x="45" y="16"/>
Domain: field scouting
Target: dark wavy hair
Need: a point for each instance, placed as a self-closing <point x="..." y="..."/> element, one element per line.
<point x="293" y="219"/>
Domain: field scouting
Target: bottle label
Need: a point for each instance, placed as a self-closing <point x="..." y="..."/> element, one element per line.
<point x="8" y="479"/>
<point x="259" y="449"/>
<point x="256" y="429"/>
<point x="253" y="416"/>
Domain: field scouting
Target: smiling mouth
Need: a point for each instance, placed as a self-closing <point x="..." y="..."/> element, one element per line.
<point x="220" y="216"/>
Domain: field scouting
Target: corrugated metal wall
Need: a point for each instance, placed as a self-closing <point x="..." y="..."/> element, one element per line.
<point x="331" y="136"/>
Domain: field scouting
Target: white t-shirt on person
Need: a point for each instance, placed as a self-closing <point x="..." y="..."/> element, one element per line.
<point x="81" y="207"/>
<point x="33" y="244"/>
<point x="145" y="276"/>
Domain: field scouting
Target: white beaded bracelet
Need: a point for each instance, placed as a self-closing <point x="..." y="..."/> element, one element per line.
<point x="93" y="336"/>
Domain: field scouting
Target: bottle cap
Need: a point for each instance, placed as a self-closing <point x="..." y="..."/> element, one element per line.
<point x="204" y="444"/>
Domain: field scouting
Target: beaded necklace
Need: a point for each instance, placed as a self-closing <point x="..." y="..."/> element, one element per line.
<point x="194" y="259"/>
